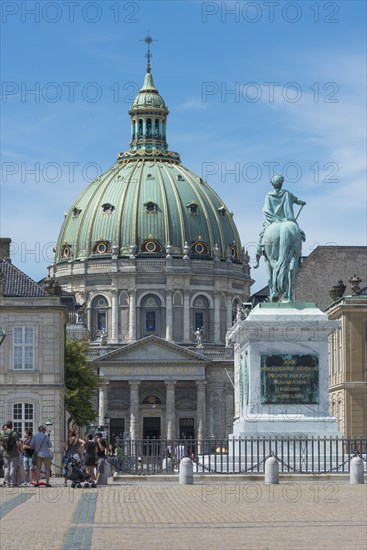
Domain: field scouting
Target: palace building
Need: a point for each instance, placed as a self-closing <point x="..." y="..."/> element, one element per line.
<point x="154" y="260"/>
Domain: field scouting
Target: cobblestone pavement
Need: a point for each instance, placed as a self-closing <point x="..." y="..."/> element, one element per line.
<point x="216" y="516"/>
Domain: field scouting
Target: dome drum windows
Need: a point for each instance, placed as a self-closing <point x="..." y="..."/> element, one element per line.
<point x="66" y="251"/>
<point x="101" y="247"/>
<point x="140" y="128"/>
<point x="150" y="246"/>
<point x="156" y="128"/>
<point x="233" y="248"/>
<point x="199" y="248"/>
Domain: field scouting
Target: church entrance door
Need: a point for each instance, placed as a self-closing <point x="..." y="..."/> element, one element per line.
<point x="152" y="427"/>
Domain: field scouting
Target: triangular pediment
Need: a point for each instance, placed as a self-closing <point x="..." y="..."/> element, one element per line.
<point x="152" y="349"/>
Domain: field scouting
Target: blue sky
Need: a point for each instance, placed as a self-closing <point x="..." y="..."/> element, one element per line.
<point x="248" y="84"/>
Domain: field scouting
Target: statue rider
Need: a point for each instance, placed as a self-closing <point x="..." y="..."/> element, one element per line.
<point x="278" y="207"/>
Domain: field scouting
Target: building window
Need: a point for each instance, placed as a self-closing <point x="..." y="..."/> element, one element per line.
<point x="107" y="208"/>
<point x="99" y="316"/>
<point x="150" y="321"/>
<point x="192" y="207"/>
<point x="152" y="400"/>
<point x="23" y="417"/>
<point x="102" y="320"/>
<point x="150" y="207"/>
<point x="102" y="247"/>
<point x="199" y="320"/>
<point x="23" y="348"/>
<point x="66" y="251"/>
<point x="199" y="247"/>
<point x="201" y="316"/>
<point x="151" y="315"/>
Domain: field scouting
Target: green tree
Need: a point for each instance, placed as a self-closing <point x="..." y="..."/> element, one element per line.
<point x="82" y="383"/>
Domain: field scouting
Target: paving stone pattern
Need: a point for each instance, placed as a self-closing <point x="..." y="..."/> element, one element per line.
<point x="216" y="516"/>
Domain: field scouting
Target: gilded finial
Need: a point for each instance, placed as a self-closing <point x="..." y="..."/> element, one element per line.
<point x="148" y="40"/>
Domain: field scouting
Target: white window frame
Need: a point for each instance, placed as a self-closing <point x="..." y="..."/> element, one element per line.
<point x="23" y="414"/>
<point x="23" y="350"/>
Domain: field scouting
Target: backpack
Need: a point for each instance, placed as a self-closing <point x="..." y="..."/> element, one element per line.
<point x="8" y="441"/>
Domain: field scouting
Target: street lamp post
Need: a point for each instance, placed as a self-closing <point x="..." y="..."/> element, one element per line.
<point x="107" y="424"/>
<point x="49" y="425"/>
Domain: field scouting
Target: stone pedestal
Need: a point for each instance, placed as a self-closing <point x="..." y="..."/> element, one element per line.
<point x="281" y="372"/>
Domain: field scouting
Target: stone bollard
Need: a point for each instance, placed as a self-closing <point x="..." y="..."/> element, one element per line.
<point x="271" y="470"/>
<point x="356" y="471"/>
<point x="103" y="480"/>
<point x="186" y="476"/>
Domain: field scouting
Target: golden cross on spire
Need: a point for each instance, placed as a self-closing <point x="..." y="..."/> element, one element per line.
<point x="148" y="40"/>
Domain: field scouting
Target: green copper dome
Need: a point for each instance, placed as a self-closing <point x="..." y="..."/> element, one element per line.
<point x="148" y="203"/>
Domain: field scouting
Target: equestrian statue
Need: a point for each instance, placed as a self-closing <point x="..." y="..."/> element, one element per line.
<point x="280" y="241"/>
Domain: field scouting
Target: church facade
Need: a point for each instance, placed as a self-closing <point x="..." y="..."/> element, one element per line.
<point x="153" y="257"/>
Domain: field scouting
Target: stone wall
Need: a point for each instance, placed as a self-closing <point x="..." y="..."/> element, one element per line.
<point x="324" y="267"/>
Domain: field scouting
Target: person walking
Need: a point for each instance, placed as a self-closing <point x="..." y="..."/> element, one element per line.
<point x="41" y="444"/>
<point x="90" y="457"/>
<point x="101" y="456"/>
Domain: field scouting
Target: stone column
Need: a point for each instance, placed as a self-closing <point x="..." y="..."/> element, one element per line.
<point x="132" y="315"/>
<point x="115" y="316"/>
<point x="91" y="329"/>
<point x="134" y="409"/>
<point x="229" y="311"/>
<point x="102" y="405"/>
<point x="200" y="412"/>
<point x="170" y="409"/>
<point x="169" y="319"/>
<point x="216" y="318"/>
<point x="186" y="317"/>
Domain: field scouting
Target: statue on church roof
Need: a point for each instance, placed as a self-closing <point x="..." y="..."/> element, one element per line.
<point x="198" y="334"/>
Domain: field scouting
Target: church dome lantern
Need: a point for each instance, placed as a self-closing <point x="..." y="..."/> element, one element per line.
<point x="148" y="192"/>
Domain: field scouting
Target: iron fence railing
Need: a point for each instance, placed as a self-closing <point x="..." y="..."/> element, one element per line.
<point x="301" y="455"/>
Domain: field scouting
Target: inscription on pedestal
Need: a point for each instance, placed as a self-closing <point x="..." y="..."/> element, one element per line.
<point x="288" y="379"/>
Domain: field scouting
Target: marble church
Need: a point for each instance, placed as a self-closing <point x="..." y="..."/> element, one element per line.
<point x="155" y="263"/>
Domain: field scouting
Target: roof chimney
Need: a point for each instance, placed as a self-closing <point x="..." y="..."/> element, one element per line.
<point x="5" y="248"/>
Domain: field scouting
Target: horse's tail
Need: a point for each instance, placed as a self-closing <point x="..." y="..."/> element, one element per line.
<point x="280" y="272"/>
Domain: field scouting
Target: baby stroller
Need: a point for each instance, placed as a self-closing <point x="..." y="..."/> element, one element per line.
<point x="74" y="471"/>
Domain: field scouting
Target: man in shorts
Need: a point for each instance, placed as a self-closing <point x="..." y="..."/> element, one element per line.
<point x="101" y="456"/>
<point x="41" y="444"/>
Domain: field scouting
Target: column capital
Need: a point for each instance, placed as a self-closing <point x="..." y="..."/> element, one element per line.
<point x="201" y="384"/>
<point x="134" y="384"/>
<point x="170" y="383"/>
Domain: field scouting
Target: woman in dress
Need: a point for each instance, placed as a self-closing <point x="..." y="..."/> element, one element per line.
<point x="90" y="457"/>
